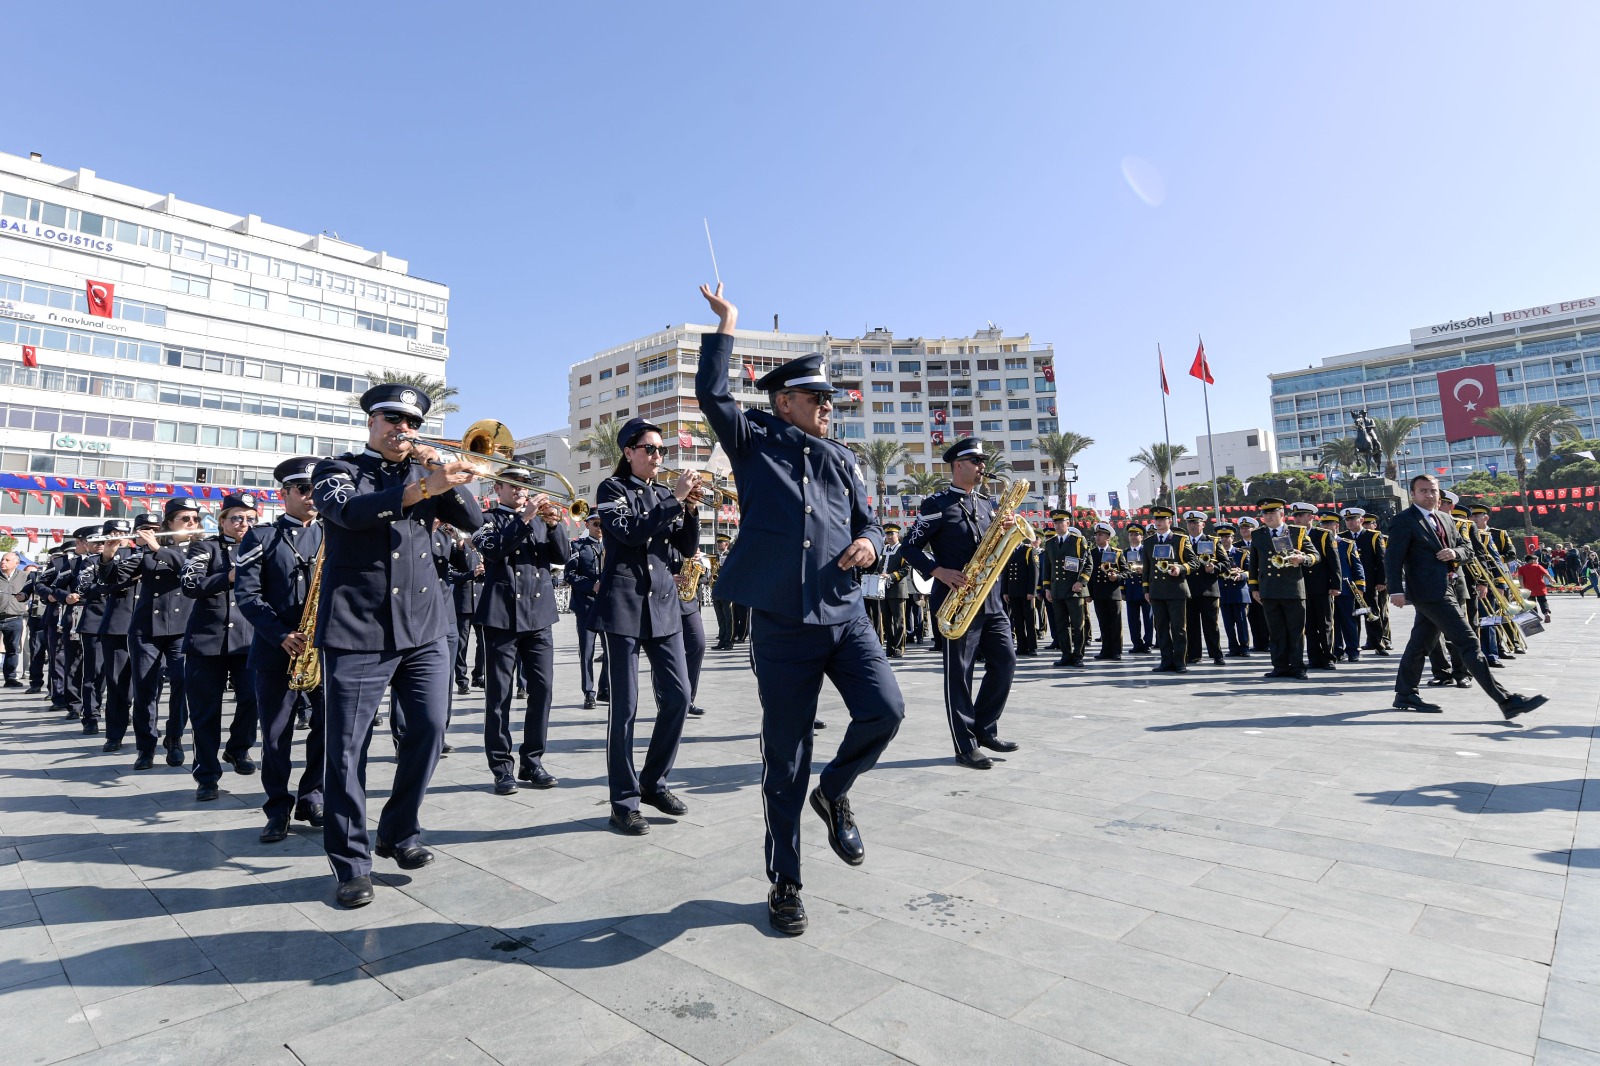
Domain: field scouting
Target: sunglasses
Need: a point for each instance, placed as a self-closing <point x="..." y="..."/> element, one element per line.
<point x="394" y="418"/>
<point x="304" y="490"/>
<point x="651" y="449"/>
<point x="821" y="399"/>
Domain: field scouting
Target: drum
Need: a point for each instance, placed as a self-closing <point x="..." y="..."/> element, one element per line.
<point x="872" y="586"/>
<point x="923" y="586"/>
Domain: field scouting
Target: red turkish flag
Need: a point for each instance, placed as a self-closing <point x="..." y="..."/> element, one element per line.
<point x="1464" y="395"/>
<point x="1162" y="363"/>
<point x="855" y="394"/>
<point x="101" y="297"/>
<point x="1049" y="372"/>
<point x="16" y="497"/>
<point x="750" y="371"/>
<point x="36" y="495"/>
<point x="1201" y="369"/>
<point x="30" y="356"/>
<point x="57" y="500"/>
<point x="685" y="441"/>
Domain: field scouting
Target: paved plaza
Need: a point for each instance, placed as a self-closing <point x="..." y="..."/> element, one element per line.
<point x="1217" y="869"/>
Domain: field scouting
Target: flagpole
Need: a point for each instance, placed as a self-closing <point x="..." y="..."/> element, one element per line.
<point x="1172" y="490"/>
<point x="1211" y="445"/>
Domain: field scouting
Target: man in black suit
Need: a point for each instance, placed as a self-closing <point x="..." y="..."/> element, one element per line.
<point x="1424" y="552"/>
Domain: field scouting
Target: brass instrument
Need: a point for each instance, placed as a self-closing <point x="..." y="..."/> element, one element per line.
<point x="719" y="493"/>
<point x="1360" y="600"/>
<point x="962" y="605"/>
<point x="305" y="669"/>
<point x="487" y="441"/>
<point x="101" y="538"/>
<point x="1169" y="568"/>
<point x="692" y="570"/>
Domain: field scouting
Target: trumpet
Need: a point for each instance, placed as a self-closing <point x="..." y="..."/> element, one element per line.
<point x="1169" y="568"/>
<point x="487" y="441"/>
<point x="708" y="483"/>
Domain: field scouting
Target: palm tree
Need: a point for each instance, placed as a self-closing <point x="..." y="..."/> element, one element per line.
<point x="1061" y="449"/>
<point x="1520" y="428"/>
<point x="602" y="444"/>
<point x="1391" y="434"/>
<point x="435" y="388"/>
<point x="1160" y="457"/>
<point x="878" y="456"/>
<point x="995" y="463"/>
<point x="1339" y="453"/>
<point x="920" y="483"/>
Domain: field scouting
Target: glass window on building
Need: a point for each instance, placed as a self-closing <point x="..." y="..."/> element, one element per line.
<point x="1376" y="393"/>
<point x="1351" y="397"/>
<point x="1428" y="386"/>
<point x="882" y="366"/>
<point x="1282" y="407"/>
<point x="1305" y="403"/>
<point x="1536" y="371"/>
<point x="1541" y="393"/>
<point x="988" y="384"/>
<point x="1017" y="384"/>
<point x="989" y="425"/>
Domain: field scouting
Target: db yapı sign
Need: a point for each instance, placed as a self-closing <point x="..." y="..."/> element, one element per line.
<point x="1506" y="318"/>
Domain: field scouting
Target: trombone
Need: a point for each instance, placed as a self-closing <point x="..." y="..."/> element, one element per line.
<point x="487" y="441"/>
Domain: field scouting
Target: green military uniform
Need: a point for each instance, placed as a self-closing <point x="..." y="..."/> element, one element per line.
<point x="1282" y="589"/>
<point x="1168" y="589"/>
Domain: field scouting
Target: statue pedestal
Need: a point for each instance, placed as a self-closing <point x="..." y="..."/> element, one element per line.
<point x="1377" y="496"/>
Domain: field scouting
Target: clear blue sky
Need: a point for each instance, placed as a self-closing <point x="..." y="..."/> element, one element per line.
<point x="1325" y="176"/>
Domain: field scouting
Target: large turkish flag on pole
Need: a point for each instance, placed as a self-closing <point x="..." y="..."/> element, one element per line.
<point x="1464" y="395"/>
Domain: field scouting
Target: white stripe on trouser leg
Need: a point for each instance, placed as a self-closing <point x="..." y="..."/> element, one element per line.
<point x="949" y="707"/>
<point x="761" y="740"/>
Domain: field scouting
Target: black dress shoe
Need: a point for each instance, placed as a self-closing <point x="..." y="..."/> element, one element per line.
<point x="1440" y="682"/>
<point x="91" y="726"/>
<point x="356" y="892"/>
<point x="205" y="793"/>
<point x="505" y="786"/>
<point x="1463" y="682"/>
<point x="536" y="776"/>
<point x="819" y="724"/>
<point x="1324" y="666"/>
<point x="242" y="764"/>
<point x="994" y="743"/>
<point x="522" y="693"/>
<point x="1276" y="673"/>
<point x="145" y="760"/>
<point x="446" y="748"/>
<point x="1497" y="664"/>
<point x="632" y="823"/>
<point x="1297" y="675"/>
<point x="1383" y="652"/>
<point x="463" y="689"/>
<point x="1417" y="704"/>
<point x="785" y="911"/>
<point x="1062" y="662"/>
<point x="477" y="682"/>
<point x="112" y="746"/>
<point x="974" y="761"/>
<point x="276" y="829"/>
<point x="843" y="836"/>
<point x="588" y="703"/>
<point x="1517" y="704"/>
<point x="310" y="813"/>
<point x="414" y="857"/>
<point x="603" y="697"/>
<point x="34" y="690"/>
<point x="1216" y="660"/>
<point x="696" y="712"/>
<point x="665" y="802"/>
<point x="174" y="754"/>
<point x="70" y="712"/>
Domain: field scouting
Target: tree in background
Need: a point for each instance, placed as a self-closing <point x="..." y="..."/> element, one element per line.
<point x="1519" y="428"/>
<point x="437" y="391"/>
<point x="920" y="483"/>
<point x="1160" y="457"/>
<point x="1340" y="455"/>
<point x="879" y="457"/>
<point x="602" y="444"/>
<point x="996" y="465"/>
<point x="1391" y="434"/>
<point x="1062" y="449"/>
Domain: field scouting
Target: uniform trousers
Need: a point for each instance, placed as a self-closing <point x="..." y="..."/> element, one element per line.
<point x="504" y="651"/>
<point x="1141" y="624"/>
<point x="973" y="718"/>
<point x="276" y="702"/>
<point x="38" y="651"/>
<point x="1108" y="614"/>
<point x="90" y="678"/>
<point x="724" y="623"/>
<point x="206" y="681"/>
<point x="1201" y="622"/>
<point x="1319" y="627"/>
<point x="1378" y="623"/>
<point x="1260" y="637"/>
<point x="670" y="680"/>
<point x="1443" y="619"/>
<point x="1023" y="620"/>
<point x="874" y="614"/>
<point x="741" y="622"/>
<point x="586" y="644"/>
<point x="894" y="626"/>
<point x="464" y="629"/>
<point x="157" y="663"/>
<point x="790" y="659"/>
<point x="14" y="641"/>
<point x="694" y="650"/>
<point x="117" y="670"/>
<point x="1236" y="627"/>
<point x="1171" y="625"/>
<point x="1346" y="628"/>
<point x="66" y="670"/>
<point x="917" y="618"/>
<point x="353" y="686"/>
<point x="1067" y="619"/>
<point x="1286" y="625"/>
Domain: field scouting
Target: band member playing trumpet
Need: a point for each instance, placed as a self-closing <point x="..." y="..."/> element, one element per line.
<point x="1234" y="584"/>
<point x="896" y="592"/>
<point x="1280" y="558"/>
<point x="160" y="619"/>
<point x="1064" y="575"/>
<point x="111" y="589"/>
<point x="638" y="610"/>
<point x="1105" y="591"/>
<point x="381" y="618"/>
<point x="1204" y="596"/>
<point x="274" y="577"/>
<point x="1168" y="561"/>
<point x="523" y="537"/>
<point x="1141" y="617"/>
<point x="1352" y="591"/>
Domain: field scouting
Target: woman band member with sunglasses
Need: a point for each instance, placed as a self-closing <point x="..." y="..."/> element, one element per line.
<point x="636" y="609"/>
<point x="382" y="619"/>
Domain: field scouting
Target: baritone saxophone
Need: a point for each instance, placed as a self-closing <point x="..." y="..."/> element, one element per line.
<point x="305" y="669"/>
<point x="962" y="605"/>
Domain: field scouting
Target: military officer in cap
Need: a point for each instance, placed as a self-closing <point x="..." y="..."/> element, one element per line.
<point x="114" y="589"/>
<point x="216" y="649"/>
<point x="1168" y="561"/>
<point x="1352" y="583"/>
<point x="382" y="620"/>
<point x="1106" y="576"/>
<point x="1205" y="595"/>
<point x="583" y="577"/>
<point x="803" y="500"/>
<point x="50" y="584"/>
<point x="1323" y="581"/>
<point x="465" y="591"/>
<point x="723" y="609"/>
<point x="1494" y="547"/>
<point x="75" y="686"/>
<point x="274" y="575"/>
<point x="1020" y="586"/>
<point x="1234" y="583"/>
<point x="1259" y="637"/>
<point x="638" y="611"/>
<point x="1281" y="555"/>
<point x="952" y="525"/>
<point x="896" y="591"/>
<point x="1369" y="548"/>
<point x="160" y="622"/>
<point x="1064" y="575"/>
<point x="90" y="613"/>
<point x="1141" y="621"/>
<point x="522" y="539"/>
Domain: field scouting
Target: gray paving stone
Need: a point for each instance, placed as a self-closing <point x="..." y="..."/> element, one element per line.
<point x="1551" y="1053"/>
<point x="27" y="955"/>
<point x="147" y="1010"/>
<point x="115" y="960"/>
<point x="1572" y="1014"/>
<point x="928" y="1029"/>
<point x="445" y="961"/>
<point x="1075" y="910"/>
<point x="810" y="1043"/>
<point x="1481" y="1016"/>
<point x="1490" y="902"/>
<point x="42" y="1022"/>
<point x="1186" y="901"/>
<point x="1293" y="893"/>
<point x="1491" y="934"/>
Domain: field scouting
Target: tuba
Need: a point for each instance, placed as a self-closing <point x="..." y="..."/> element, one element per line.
<point x="962" y="605"/>
<point x="305" y="669"/>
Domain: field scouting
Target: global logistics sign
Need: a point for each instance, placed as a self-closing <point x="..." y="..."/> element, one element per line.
<point x="1506" y="318"/>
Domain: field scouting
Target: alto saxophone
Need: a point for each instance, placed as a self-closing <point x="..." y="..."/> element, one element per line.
<point x="691" y="571"/>
<point x="962" y="605"/>
<point x="305" y="669"/>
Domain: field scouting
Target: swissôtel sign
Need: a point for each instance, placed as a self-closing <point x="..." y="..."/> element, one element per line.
<point x="1506" y="318"/>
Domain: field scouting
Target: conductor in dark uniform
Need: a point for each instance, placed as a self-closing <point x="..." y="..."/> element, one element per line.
<point x="583" y="577"/>
<point x="803" y="501"/>
<point x="160" y="621"/>
<point x="217" y="647"/>
<point x="381" y="619"/>
<point x="1280" y="557"/>
<point x="1168" y="561"/>
<point x="522" y="539"/>
<point x="274" y="577"/>
<point x="947" y="534"/>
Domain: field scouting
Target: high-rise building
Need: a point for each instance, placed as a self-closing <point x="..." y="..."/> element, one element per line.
<point x="1240" y="453"/>
<point x="144" y="339"/>
<point x="922" y="392"/>
<point x="1544" y="354"/>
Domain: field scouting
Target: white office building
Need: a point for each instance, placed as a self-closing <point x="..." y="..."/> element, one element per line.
<point x="1240" y="453"/>
<point x="216" y="344"/>
<point x="923" y="392"/>
<point x="1544" y="354"/>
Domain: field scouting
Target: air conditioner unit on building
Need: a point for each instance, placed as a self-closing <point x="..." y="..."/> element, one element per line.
<point x="1011" y="392"/>
<point x="916" y="373"/>
<point x="964" y="373"/>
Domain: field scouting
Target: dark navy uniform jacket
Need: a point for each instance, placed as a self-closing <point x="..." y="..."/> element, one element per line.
<point x="162" y="609"/>
<point x="1100" y="586"/>
<point x="1133" y="583"/>
<point x="380" y="588"/>
<point x="518" y="593"/>
<point x="272" y="585"/>
<point x="896" y="573"/>
<point x="464" y="560"/>
<point x="1351" y="572"/>
<point x="1369" y="542"/>
<point x="1288" y="583"/>
<point x="952" y="523"/>
<point x="1234" y="590"/>
<point x="91" y="609"/>
<point x="217" y="626"/>
<point x="113" y="587"/>
<point x="583" y="575"/>
<point x="643" y="523"/>
<point x="66" y="583"/>
<point x="1021" y="575"/>
<point x="802" y="502"/>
